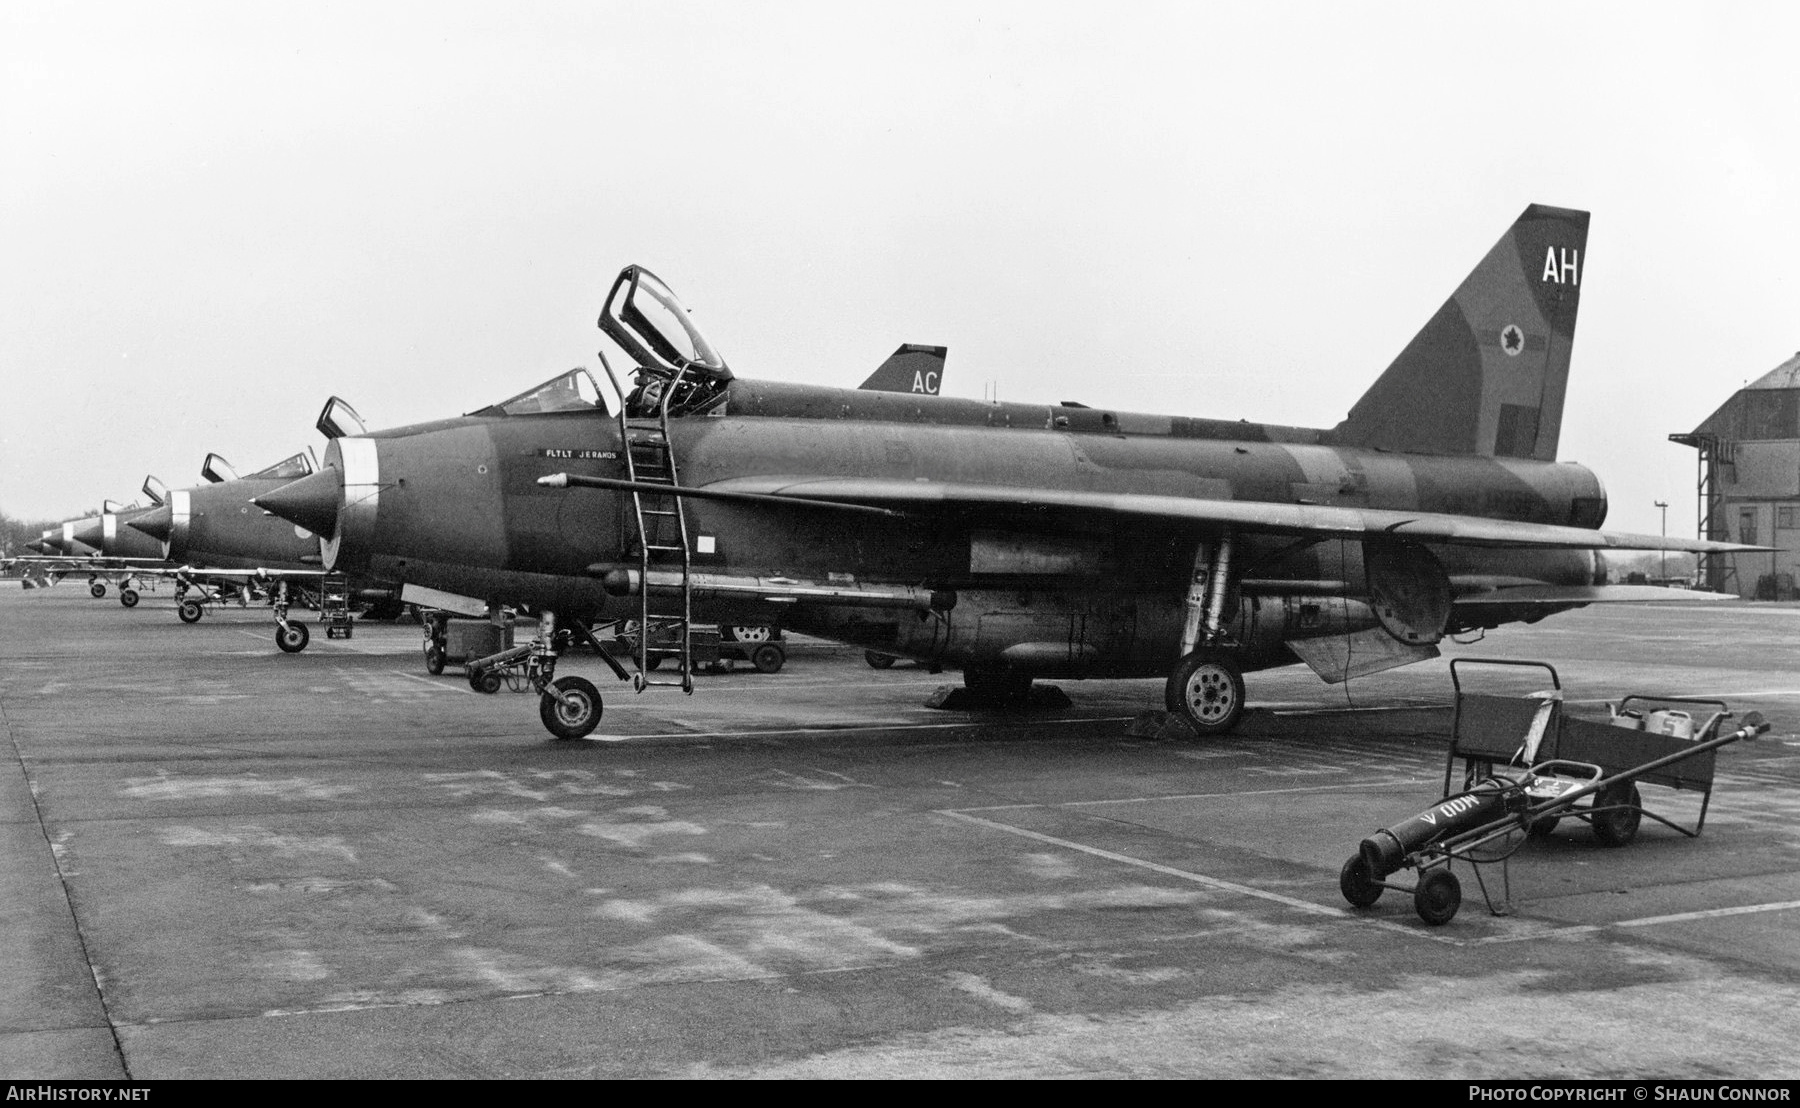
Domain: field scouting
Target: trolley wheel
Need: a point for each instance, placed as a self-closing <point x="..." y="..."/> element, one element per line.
<point x="128" y="597"/>
<point x="1542" y="826"/>
<point x="573" y="710"/>
<point x="96" y="590"/>
<point x="484" y="680"/>
<point x="1619" y="825"/>
<point x="1355" y="883"/>
<point x="878" y="660"/>
<point x="434" y="659"/>
<point x="292" y="638"/>
<point x="761" y="633"/>
<point x="189" y="611"/>
<point x="768" y="658"/>
<point x="1437" y="897"/>
<point x="1206" y="688"/>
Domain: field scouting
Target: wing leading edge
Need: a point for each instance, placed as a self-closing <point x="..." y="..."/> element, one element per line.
<point x="1294" y="519"/>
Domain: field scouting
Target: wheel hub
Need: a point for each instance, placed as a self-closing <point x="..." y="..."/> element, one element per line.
<point x="1210" y="694"/>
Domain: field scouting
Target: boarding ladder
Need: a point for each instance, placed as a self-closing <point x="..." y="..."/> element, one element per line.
<point x="664" y="615"/>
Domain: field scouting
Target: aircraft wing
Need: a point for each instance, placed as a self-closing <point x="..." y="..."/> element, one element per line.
<point x="1294" y="519"/>
<point x="259" y="573"/>
<point x="1590" y="594"/>
<point x="88" y="562"/>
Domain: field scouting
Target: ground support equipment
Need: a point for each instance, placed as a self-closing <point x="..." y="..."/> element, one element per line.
<point x="1556" y="768"/>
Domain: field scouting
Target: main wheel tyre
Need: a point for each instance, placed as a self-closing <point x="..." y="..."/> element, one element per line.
<point x="573" y="710"/>
<point x="878" y="660"/>
<point x="750" y="634"/>
<point x="96" y="590"/>
<point x="1355" y="883"/>
<point x="1207" y="690"/>
<point x="768" y="658"/>
<point x="1617" y="813"/>
<point x="484" y="680"/>
<point x="128" y="597"/>
<point x="1437" y="897"/>
<point x="188" y="611"/>
<point x="434" y="659"/>
<point x="293" y="637"/>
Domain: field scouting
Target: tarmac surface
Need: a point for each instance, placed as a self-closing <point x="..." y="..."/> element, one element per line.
<point x="218" y="860"/>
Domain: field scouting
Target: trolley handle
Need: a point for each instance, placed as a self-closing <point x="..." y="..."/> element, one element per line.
<point x="1456" y="678"/>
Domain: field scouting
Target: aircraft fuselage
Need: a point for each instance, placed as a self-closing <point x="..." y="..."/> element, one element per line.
<point x="455" y="505"/>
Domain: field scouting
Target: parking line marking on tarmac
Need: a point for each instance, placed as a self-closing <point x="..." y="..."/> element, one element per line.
<point x="1220" y="884"/>
<point x="1529" y="933"/>
<point x="1203" y="796"/>
<point x="1643" y="921"/>
<point x="441" y="686"/>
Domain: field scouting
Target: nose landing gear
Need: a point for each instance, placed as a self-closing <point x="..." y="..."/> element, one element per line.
<point x="570" y="707"/>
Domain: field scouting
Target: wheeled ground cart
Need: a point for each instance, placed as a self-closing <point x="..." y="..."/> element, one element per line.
<point x="1528" y="766"/>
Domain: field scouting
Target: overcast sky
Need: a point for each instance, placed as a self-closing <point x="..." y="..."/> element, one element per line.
<point x="214" y="216"/>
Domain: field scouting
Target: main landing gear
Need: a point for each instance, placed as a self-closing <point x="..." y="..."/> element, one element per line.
<point x="1206" y="689"/>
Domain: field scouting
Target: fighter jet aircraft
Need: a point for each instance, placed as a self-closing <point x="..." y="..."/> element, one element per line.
<point x="219" y="547"/>
<point x="1014" y="541"/>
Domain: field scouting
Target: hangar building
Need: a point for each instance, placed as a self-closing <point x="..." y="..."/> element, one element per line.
<point x="1749" y="485"/>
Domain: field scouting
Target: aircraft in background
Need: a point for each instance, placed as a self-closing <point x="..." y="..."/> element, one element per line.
<point x="220" y="548"/>
<point x="1018" y="541"/>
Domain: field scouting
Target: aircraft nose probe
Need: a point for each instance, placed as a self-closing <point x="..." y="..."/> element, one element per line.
<point x="311" y="502"/>
<point x="158" y="523"/>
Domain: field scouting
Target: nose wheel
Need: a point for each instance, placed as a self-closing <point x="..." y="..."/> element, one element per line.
<point x="570" y="707"/>
<point x="292" y="637"/>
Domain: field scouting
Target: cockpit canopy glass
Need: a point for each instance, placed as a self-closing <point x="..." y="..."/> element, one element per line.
<point x="339" y="419"/>
<point x="573" y="391"/>
<point x="114" y="507"/>
<point x="217" y="469"/>
<point x="643" y="315"/>
<point x="156" y="491"/>
<point x="300" y="465"/>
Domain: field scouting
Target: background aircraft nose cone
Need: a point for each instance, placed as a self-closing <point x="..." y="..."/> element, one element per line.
<point x="312" y="501"/>
<point x="38" y="545"/>
<point x="158" y="523"/>
<point x="90" y="531"/>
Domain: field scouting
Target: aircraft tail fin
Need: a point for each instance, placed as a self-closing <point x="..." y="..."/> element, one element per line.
<point x="912" y="368"/>
<point x="1487" y="374"/>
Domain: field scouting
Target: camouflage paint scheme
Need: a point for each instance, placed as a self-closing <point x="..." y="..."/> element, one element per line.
<point x="1034" y="540"/>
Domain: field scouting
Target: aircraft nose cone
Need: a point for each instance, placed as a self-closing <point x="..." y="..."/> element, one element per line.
<point x="158" y="523"/>
<point x="38" y="546"/>
<point x="311" y="502"/>
<point x="90" y="531"/>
